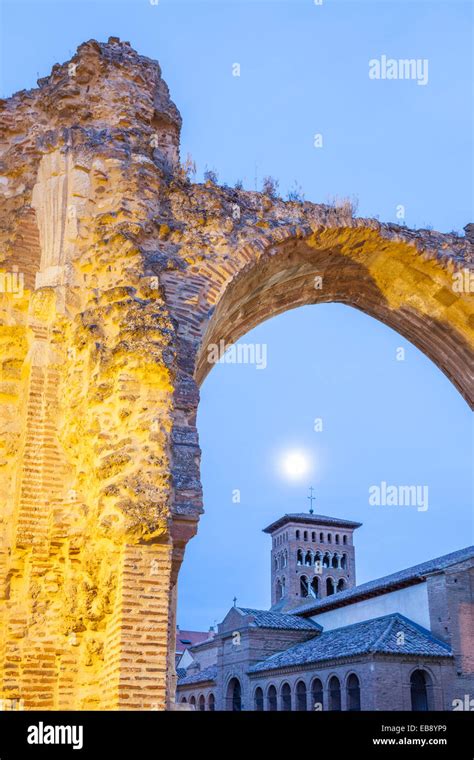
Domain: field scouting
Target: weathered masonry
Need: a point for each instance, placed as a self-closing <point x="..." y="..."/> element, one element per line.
<point x="117" y="274"/>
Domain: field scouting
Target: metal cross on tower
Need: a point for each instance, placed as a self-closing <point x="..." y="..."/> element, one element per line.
<point x="311" y="499"/>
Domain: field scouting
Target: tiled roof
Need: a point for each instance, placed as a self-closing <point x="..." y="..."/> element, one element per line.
<point x="278" y="620"/>
<point x="208" y="674"/>
<point x="186" y="639"/>
<point x="381" y="585"/>
<point x="209" y="640"/>
<point x="391" y="634"/>
<point x="309" y="519"/>
<point x="181" y="672"/>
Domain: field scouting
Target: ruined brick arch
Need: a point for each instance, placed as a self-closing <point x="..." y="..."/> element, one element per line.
<point x="282" y="277"/>
<point x="131" y="272"/>
<point x="391" y="274"/>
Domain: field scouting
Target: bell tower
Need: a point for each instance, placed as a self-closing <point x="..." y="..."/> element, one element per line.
<point x="312" y="556"/>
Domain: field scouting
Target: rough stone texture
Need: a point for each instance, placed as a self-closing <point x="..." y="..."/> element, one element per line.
<point x="130" y="272"/>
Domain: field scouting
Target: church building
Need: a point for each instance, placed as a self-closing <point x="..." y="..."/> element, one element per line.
<point x="401" y="642"/>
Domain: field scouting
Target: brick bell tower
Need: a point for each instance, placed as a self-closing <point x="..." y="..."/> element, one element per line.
<point x="312" y="556"/>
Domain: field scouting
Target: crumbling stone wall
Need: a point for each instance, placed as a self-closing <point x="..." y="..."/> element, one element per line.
<point x="117" y="274"/>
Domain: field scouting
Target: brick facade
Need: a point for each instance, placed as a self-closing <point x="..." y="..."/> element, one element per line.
<point x="310" y="557"/>
<point x="384" y="680"/>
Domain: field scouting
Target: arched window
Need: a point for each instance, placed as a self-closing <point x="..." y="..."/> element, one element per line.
<point x="286" y="697"/>
<point x="275" y="563"/>
<point x="353" y="692"/>
<point x="344" y="561"/>
<point x="317" y="702"/>
<point x="326" y="560"/>
<point x="304" y="586"/>
<point x="192" y="701"/>
<point x="335" y="561"/>
<point x="329" y="538"/>
<point x="278" y="590"/>
<point x="318" y="565"/>
<point x="211" y="702"/>
<point x="202" y="703"/>
<point x="283" y="586"/>
<point x="329" y="587"/>
<point x="272" y="698"/>
<point x="301" y="704"/>
<point x="340" y="585"/>
<point x="313" y="536"/>
<point x="334" y="693"/>
<point x="234" y="695"/>
<point x="258" y="699"/>
<point x="299" y="557"/>
<point x="285" y="558"/>
<point x="420" y="687"/>
<point x="297" y="534"/>
<point x="183" y="700"/>
<point x="305" y="535"/>
<point x="308" y="560"/>
<point x="314" y="588"/>
<point x="321" y="538"/>
<point x="344" y="540"/>
<point x="336" y="538"/>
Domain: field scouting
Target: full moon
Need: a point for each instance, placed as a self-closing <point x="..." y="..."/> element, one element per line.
<point x="295" y="464"/>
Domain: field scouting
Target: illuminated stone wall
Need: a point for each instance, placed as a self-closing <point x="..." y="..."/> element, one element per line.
<point x="117" y="276"/>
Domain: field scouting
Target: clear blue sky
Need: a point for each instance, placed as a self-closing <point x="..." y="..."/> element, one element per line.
<point x="304" y="70"/>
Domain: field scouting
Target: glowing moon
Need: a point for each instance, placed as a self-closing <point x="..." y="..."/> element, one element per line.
<point x="295" y="464"/>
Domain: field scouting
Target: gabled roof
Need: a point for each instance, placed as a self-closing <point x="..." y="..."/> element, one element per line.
<point x="205" y="643"/>
<point x="208" y="674"/>
<point x="186" y="639"/>
<point x="406" y="577"/>
<point x="309" y="519"/>
<point x="392" y="634"/>
<point x="276" y="620"/>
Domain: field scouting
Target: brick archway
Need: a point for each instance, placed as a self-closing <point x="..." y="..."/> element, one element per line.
<point x="379" y="271"/>
<point x="140" y="271"/>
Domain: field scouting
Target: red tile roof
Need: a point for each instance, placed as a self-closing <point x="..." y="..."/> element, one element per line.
<point x="186" y="639"/>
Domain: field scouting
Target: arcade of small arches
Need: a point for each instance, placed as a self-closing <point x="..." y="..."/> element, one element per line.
<point x="313" y="587"/>
<point x="202" y="702"/>
<point x="320" y="696"/>
<point x="334" y="694"/>
<point x="306" y="535"/>
<point x="319" y="560"/>
<point x="309" y="558"/>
